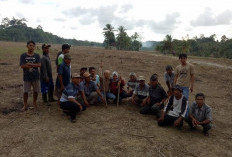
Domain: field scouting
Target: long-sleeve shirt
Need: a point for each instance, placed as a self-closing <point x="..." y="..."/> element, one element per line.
<point x="46" y="68"/>
<point x="114" y="86"/>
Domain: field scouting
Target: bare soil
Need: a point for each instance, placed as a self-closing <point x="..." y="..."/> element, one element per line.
<point x="111" y="131"/>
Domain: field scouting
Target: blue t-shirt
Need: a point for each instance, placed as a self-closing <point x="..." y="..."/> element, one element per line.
<point x="88" y="90"/>
<point x="31" y="74"/>
<point x="65" y="71"/>
<point x="70" y="91"/>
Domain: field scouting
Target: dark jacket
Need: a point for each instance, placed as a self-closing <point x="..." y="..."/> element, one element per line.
<point x="46" y="68"/>
<point x="170" y="105"/>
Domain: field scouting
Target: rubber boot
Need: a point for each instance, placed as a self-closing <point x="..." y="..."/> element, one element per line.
<point x="44" y="96"/>
<point x="50" y="95"/>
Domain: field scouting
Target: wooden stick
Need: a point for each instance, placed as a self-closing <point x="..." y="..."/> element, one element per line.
<point x="103" y="83"/>
<point x="119" y="83"/>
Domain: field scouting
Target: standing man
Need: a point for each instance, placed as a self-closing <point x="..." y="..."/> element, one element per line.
<point x="156" y="99"/>
<point x="175" y="110"/>
<point x="184" y="75"/>
<point x="169" y="79"/>
<point x="200" y="114"/>
<point x="30" y="62"/>
<point x="68" y="101"/>
<point x="46" y="80"/>
<point x="60" y="55"/>
<point x="64" y="75"/>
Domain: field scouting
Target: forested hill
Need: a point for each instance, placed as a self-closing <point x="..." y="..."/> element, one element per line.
<point x="17" y="30"/>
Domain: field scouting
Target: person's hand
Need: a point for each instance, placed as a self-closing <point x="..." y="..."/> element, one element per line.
<point x="28" y="65"/>
<point x="81" y="108"/>
<point x="191" y="89"/>
<point x="87" y="103"/>
<point x="102" y="99"/>
<point x="194" y="122"/>
<point x="161" y="118"/>
<point x="47" y="79"/>
<point x="158" y="104"/>
<point x="169" y="92"/>
<point x="177" y="122"/>
<point x="133" y="101"/>
<point x="62" y="88"/>
<point x="144" y="102"/>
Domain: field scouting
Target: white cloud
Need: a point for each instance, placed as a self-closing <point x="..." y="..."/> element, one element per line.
<point x="26" y="1"/>
<point x="209" y="19"/>
<point x="153" y="19"/>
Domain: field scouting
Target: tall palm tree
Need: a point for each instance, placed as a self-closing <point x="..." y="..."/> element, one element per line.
<point x="108" y="32"/>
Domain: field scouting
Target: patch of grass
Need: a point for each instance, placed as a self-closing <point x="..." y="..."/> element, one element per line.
<point x="6" y="52"/>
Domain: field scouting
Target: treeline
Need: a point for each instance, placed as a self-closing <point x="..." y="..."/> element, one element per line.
<point x="17" y="30"/>
<point x="198" y="46"/>
<point x="120" y="41"/>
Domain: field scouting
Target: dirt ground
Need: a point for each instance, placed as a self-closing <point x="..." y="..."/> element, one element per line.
<point x="112" y="131"/>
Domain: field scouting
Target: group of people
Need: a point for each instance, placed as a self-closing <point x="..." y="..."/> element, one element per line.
<point x="77" y="91"/>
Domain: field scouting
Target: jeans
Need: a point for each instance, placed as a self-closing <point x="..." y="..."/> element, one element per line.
<point x="109" y="95"/>
<point x="185" y="92"/>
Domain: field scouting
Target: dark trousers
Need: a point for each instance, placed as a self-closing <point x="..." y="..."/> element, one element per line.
<point x="72" y="107"/>
<point x="169" y="120"/>
<point x="46" y="86"/>
<point x="152" y="109"/>
<point x="122" y="95"/>
<point x="206" y="127"/>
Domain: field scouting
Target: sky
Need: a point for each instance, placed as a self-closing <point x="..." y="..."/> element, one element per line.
<point x="152" y="19"/>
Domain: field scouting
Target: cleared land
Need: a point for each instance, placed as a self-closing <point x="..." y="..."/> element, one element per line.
<point x="111" y="131"/>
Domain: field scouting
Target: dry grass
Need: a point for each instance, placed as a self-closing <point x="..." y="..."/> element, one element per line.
<point x="111" y="131"/>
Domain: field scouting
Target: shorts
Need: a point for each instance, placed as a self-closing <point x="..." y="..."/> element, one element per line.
<point x="27" y="86"/>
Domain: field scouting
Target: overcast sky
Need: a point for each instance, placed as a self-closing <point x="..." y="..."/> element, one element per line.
<point x="152" y="19"/>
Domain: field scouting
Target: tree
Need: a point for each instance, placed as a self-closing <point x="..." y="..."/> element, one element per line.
<point x="108" y="32"/>
<point x="167" y="44"/>
<point x="123" y="41"/>
<point x="136" y="44"/>
<point x="39" y="27"/>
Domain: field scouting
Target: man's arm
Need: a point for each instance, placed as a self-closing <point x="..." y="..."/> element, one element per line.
<point x="61" y="82"/>
<point x="44" y="69"/>
<point x="175" y="79"/>
<point x="168" y="85"/>
<point x="36" y="65"/>
<point x="26" y="66"/>
<point x="84" y="98"/>
<point x="178" y="121"/>
<point x="99" y="94"/>
<point x="192" y="82"/>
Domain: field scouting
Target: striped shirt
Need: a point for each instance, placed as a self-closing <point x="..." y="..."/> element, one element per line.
<point x="132" y="84"/>
<point x="70" y="91"/>
<point x="141" y="91"/>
